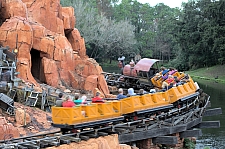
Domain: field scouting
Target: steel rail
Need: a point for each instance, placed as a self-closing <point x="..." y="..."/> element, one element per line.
<point x="38" y="141"/>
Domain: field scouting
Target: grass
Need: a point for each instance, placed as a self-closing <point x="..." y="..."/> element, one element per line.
<point x="215" y="73"/>
<point x="107" y="63"/>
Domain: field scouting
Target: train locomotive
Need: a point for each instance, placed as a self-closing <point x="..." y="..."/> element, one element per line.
<point x="163" y="104"/>
<point x="136" y="76"/>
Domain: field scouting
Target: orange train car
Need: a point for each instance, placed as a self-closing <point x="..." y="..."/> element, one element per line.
<point x="128" y="109"/>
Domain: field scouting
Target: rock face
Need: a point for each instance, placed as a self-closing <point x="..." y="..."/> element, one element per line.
<point x="7" y="130"/>
<point x="22" y="118"/>
<point x="50" y="49"/>
<point x="107" y="142"/>
<point x="36" y="121"/>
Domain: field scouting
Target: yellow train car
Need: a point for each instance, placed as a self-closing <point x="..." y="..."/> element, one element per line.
<point x="130" y="108"/>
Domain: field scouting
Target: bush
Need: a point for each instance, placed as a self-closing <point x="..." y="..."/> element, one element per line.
<point x="188" y="144"/>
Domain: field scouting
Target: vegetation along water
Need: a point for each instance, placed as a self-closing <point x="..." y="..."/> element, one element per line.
<point x="213" y="138"/>
<point x="188" y="37"/>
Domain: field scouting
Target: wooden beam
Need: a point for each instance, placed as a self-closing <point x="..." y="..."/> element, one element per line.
<point x="194" y="123"/>
<point x="168" y="140"/>
<point x="191" y="133"/>
<point x="212" y="112"/>
<point x="11" y="55"/>
<point x="82" y="137"/>
<point x="51" y="142"/>
<point x="135" y="136"/>
<point x="156" y="132"/>
<point x="103" y="134"/>
<point x="209" y="124"/>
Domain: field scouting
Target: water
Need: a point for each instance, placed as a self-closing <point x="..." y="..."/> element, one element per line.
<point x="213" y="138"/>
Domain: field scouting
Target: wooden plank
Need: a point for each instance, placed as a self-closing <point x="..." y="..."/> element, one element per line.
<point x="212" y="112"/>
<point x="209" y="124"/>
<point x="168" y="140"/>
<point x="178" y="128"/>
<point x="64" y="141"/>
<point x="150" y="133"/>
<point x="11" y="55"/>
<point x="156" y="132"/>
<point x="82" y="137"/>
<point x="51" y="142"/>
<point x="191" y="133"/>
<point x="102" y="134"/>
<point x="123" y="138"/>
<point x="30" y="146"/>
<point x="194" y="123"/>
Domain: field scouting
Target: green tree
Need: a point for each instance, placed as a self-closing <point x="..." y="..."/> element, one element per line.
<point x="104" y="38"/>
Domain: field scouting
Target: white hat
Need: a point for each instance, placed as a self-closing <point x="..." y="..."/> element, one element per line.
<point x="152" y="91"/>
<point x="131" y="91"/>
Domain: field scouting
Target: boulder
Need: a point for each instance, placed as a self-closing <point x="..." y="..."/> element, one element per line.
<point x="22" y="118"/>
<point x="37" y="26"/>
<point x="102" y="85"/>
<point x="23" y="66"/>
<point x="48" y="13"/>
<point x="77" y="81"/>
<point x="8" y="131"/>
<point x="17" y="31"/>
<point x="51" y="72"/>
<point x="91" y="82"/>
<point x="12" y="8"/>
<point x="107" y="142"/>
<point x="77" y="42"/>
<point x="68" y="18"/>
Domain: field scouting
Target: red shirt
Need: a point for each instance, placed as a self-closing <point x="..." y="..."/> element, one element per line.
<point x="170" y="80"/>
<point x="68" y="104"/>
<point x="97" y="100"/>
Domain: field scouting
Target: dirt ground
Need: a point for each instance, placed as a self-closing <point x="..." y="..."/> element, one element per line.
<point x="37" y="121"/>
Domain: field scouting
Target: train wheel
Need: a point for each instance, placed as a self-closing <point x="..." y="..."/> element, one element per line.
<point x="64" y="130"/>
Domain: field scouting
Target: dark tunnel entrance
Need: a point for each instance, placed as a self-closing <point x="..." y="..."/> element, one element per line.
<point x="37" y="69"/>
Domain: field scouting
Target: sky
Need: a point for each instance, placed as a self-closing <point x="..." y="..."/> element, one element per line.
<point x="170" y="3"/>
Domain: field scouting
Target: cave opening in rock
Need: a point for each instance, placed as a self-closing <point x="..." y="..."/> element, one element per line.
<point x="37" y="69"/>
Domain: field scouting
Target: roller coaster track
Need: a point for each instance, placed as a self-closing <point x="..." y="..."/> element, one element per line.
<point x="174" y="121"/>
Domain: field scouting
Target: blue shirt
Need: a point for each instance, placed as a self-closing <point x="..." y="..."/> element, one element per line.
<point x="121" y="96"/>
<point x="78" y="101"/>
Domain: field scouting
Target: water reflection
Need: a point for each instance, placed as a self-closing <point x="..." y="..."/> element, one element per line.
<point x="213" y="138"/>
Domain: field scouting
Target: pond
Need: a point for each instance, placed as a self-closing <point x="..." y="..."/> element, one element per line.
<point x="213" y="138"/>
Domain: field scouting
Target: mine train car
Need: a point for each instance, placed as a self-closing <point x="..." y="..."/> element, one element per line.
<point x="125" y="110"/>
<point x="137" y="76"/>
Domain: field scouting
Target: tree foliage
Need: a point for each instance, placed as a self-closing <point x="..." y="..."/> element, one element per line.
<point x="187" y="37"/>
<point x="104" y="37"/>
<point x="201" y="33"/>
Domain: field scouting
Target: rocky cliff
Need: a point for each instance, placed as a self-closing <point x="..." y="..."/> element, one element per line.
<point x="33" y="121"/>
<point x="107" y="142"/>
<point x="50" y="49"/>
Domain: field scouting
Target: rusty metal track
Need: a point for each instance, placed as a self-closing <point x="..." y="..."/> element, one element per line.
<point x="130" y="131"/>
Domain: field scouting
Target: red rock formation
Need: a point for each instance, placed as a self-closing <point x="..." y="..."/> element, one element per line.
<point x="50" y="49"/>
<point x="7" y="130"/>
<point x="37" y="122"/>
<point x="22" y="118"/>
<point x="107" y="142"/>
